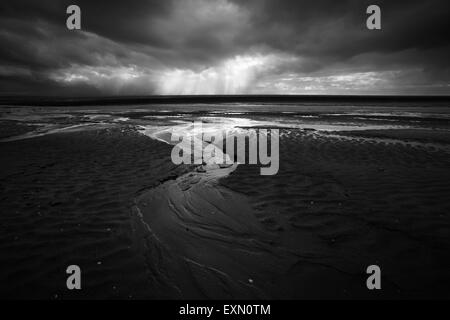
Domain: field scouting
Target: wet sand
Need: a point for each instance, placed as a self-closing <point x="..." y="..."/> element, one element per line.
<point x="336" y="207"/>
<point x="67" y="198"/>
<point x="110" y="200"/>
<point x="342" y="205"/>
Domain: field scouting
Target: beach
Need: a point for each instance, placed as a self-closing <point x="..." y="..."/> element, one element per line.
<point x="96" y="187"/>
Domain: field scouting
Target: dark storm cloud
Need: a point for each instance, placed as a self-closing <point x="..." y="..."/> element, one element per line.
<point x="333" y="31"/>
<point x="339" y="26"/>
<point x="196" y="46"/>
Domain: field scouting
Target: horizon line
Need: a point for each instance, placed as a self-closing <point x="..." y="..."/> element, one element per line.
<point x="52" y="100"/>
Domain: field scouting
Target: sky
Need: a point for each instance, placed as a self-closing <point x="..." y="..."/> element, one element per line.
<point x="175" y="47"/>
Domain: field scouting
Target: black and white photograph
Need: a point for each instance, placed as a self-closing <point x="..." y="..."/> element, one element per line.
<point x="224" y="150"/>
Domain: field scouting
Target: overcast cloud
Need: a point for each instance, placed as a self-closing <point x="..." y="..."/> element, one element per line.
<point x="224" y="47"/>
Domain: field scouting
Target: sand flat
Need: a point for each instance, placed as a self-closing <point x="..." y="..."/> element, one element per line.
<point x="101" y="194"/>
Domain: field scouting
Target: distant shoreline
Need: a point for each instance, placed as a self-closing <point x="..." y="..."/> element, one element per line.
<point x="206" y="99"/>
